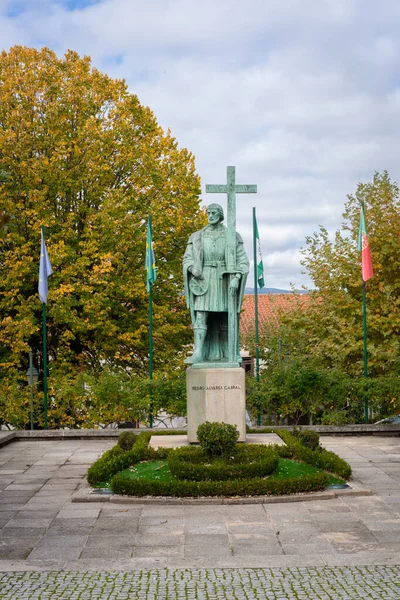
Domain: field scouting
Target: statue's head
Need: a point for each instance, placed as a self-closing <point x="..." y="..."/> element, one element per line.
<point x="215" y="210"/>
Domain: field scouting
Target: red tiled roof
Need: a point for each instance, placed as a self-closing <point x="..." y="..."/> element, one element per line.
<point x="269" y="307"/>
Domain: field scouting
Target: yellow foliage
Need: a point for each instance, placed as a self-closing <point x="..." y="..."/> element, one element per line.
<point x="89" y="162"/>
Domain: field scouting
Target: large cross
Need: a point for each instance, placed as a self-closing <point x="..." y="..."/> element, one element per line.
<point x="231" y="189"/>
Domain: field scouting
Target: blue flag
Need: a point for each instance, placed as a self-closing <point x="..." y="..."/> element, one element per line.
<point x="150" y="260"/>
<point x="45" y="270"/>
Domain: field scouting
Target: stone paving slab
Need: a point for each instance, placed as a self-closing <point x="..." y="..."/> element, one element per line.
<point x="264" y="438"/>
<point x="317" y="583"/>
<point x="168" y="441"/>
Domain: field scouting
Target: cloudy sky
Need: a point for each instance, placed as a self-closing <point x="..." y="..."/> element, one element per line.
<point x="302" y="96"/>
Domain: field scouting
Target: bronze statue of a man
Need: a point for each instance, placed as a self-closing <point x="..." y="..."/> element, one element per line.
<point x="207" y="285"/>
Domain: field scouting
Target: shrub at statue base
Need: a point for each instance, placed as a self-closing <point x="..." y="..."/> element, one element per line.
<point x="229" y="477"/>
<point x="307" y="438"/>
<point x="217" y="439"/>
<point x="126" y="440"/>
<point x="246" y="462"/>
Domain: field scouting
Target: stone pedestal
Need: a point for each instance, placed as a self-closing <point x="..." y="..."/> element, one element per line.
<point x="217" y="395"/>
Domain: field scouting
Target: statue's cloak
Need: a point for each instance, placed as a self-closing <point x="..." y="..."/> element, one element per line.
<point x="194" y="258"/>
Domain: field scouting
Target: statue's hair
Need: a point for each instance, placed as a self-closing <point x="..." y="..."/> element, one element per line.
<point x="220" y="210"/>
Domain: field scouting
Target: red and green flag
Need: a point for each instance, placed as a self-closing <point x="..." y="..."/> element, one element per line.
<point x="364" y="247"/>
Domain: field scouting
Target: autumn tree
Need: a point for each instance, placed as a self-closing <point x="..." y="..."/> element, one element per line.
<point x="80" y="155"/>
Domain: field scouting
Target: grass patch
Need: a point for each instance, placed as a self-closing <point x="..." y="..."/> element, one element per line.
<point x="293" y="468"/>
<point x="101" y="485"/>
<point x="151" y="470"/>
<point x="158" y="470"/>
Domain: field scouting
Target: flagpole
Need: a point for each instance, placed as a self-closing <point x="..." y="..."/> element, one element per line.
<point x="256" y="309"/>
<point x="366" y="407"/>
<point x="367" y="273"/>
<point x="150" y="250"/>
<point x="151" y="351"/>
<point x="30" y="371"/>
<point x="44" y="318"/>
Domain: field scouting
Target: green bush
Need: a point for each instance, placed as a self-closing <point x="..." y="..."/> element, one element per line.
<point x="335" y="417"/>
<point x="143" y="439"/>
<point x="115" y="396"/>
<point x="217" y="439"/>
<point x="322" y="459"/>
<point x="293" y="387"/>
<point x="100" y="467"/>
<point x="126" y="440"/>
<point x="169" y="392"/>
<point x="256" y="486"/>
<point x="248" y="461"/>
<point x="116" y="459"/>
<point x="308" y="438"/>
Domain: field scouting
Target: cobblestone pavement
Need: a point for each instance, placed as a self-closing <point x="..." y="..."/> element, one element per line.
<point x="230" y="584"/>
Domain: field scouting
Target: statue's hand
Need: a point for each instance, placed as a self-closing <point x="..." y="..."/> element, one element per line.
<point x="234" y="286"/>
<point x="196" y="273"/>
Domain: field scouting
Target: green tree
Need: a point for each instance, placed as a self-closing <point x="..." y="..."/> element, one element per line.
<point x="313" y="357"/>
<point x="84" y="158"/>
<point x="333" y="326"/>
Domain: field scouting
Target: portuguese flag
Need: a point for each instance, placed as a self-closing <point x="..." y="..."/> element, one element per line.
<point x="363" y="246"/>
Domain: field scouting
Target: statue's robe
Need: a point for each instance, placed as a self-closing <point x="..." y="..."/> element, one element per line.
<point x="206" y="251"/>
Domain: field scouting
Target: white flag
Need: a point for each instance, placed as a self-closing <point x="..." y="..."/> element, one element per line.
<point x="45" y="270"/>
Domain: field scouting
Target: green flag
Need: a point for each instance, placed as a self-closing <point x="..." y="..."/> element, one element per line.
<point x="150" y="260"/>
<point x="260" y="265"/>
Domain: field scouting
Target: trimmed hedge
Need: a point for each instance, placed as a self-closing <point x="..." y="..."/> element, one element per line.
<point x="321" y="458"/>
<point x="257" y="486"/>
<point x="260" y="429"/>
<point x="247" y="461"/>
<point x="115" y="460"/>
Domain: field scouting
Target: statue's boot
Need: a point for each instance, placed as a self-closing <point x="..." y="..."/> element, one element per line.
<point x="199" y="339"/>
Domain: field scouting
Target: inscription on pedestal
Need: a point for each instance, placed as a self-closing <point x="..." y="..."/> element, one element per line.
<point x="196" y="388"/>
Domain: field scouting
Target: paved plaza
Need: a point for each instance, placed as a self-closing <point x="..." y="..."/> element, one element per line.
<point x="51" y="547"/>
